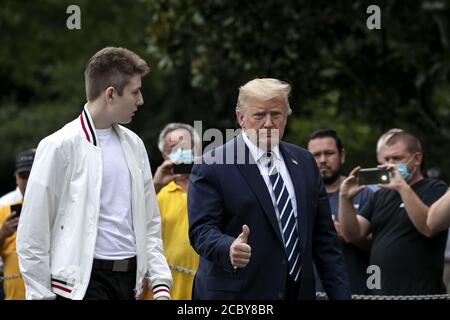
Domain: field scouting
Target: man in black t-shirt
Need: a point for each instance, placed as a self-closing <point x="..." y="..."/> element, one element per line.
<point x="409" y="254"/>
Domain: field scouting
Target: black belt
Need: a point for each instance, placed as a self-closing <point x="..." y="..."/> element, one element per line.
<point x="125" y="265"/>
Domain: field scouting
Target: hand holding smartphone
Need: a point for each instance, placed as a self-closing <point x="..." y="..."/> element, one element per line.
<point x="373" y="176"/>
<point x="16" y="209"/>
<point x="182" y="168"/>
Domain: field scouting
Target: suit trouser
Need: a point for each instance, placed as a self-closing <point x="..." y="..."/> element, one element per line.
<point x="292" y="288"/>
<point x="447" y="275"/>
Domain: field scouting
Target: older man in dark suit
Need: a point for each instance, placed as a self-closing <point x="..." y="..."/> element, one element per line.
<point x="259" y="212"/>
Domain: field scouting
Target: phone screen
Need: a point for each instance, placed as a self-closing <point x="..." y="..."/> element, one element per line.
<point x="373" y="176"/>
<point x="16" y="209"/>
<point x="182" y="168"/>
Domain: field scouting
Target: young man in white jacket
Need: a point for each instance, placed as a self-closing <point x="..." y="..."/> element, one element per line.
<point x="90" y="225"/>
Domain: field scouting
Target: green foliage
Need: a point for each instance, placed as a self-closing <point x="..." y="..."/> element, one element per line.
<point x="359" y="142"/>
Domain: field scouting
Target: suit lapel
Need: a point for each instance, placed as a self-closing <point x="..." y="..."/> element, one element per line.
<point x="251" y="173"/>
<point x="297" y="174"/>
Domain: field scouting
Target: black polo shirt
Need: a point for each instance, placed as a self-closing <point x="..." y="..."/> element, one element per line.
<point x="410" y="263"/>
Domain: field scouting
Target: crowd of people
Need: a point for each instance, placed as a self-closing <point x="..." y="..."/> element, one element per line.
<point x="256" y="218"/>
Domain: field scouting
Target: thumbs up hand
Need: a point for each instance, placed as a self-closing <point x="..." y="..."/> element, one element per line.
<point x="240" y="251"/>
<point x="243" y="237"/>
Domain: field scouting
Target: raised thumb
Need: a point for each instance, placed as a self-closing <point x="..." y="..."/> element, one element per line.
<point x="244" y="234"/>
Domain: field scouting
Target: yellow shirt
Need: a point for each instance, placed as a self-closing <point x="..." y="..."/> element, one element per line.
<point x="182" y="259"/>
<point x="13" y="284"/>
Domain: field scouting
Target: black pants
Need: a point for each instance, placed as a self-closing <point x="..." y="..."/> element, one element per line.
<point x="292" y="288"/>
<point x="111" y="285"/>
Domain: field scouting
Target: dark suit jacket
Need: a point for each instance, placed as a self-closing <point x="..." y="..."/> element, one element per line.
<point x="223" y="197"/>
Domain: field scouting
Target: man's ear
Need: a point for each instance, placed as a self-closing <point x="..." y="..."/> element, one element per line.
<point x="418" y="159"/>
<point x="109" y="94"/>
<point x="342" y="156"/>
<point x="239" y="119"/>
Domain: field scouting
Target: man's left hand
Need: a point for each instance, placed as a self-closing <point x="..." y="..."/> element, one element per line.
<point x="396" y="180"/>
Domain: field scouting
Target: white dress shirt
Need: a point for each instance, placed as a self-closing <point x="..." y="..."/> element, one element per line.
<point x="280" y="165"/>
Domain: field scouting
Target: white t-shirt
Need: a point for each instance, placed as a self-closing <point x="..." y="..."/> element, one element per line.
<point x="115" y="237"/>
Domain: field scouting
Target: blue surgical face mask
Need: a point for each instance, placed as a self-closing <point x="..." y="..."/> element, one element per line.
<point x="402" y="168"/>
<point x="181" y="156"/>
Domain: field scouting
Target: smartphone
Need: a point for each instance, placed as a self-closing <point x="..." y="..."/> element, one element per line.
<point x="183" y="168"/>
<point x="373" y="176"/>
<point x="16" y="209"/>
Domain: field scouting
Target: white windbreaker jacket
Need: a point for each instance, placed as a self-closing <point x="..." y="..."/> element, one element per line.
<point x="58" y="225"/>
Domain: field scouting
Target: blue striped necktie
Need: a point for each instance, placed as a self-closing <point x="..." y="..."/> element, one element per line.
<point x="287" y="218"/>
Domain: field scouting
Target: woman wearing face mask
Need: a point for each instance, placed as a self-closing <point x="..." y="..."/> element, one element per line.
<point x="175" y="143"/>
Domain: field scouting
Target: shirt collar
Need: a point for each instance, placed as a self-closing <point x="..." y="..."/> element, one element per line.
<point x="172" y="186"/>
<point x="87" y="125"/>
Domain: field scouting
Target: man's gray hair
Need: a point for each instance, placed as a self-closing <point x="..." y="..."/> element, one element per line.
<point x="195" y="138"/>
